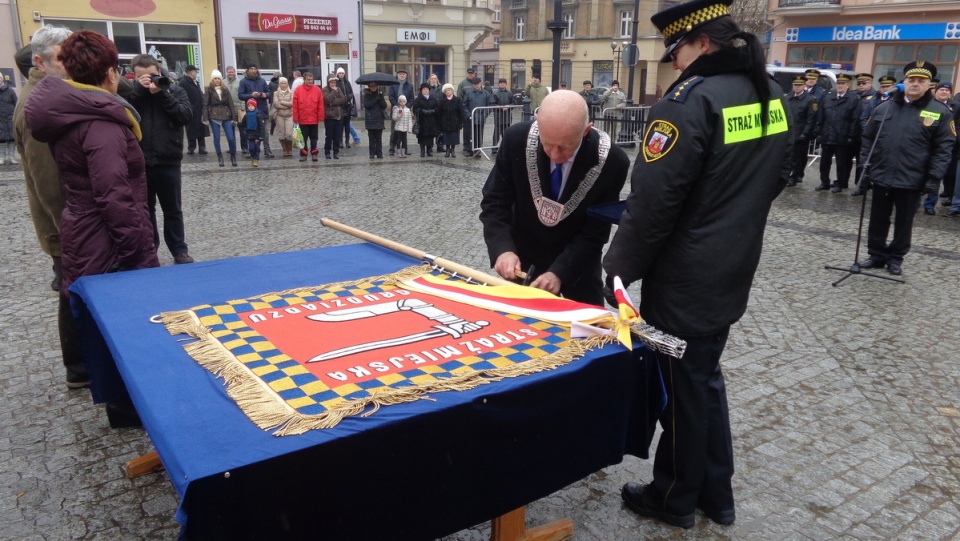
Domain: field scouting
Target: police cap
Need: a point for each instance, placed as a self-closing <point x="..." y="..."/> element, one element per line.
<point x="887" y="80"/>
<point x="676" y="22"/>
<point x="800" y="79"/>
<point x="864" y="77"/>
<point x="844" y="78"/>
<point x="812" y="73"/>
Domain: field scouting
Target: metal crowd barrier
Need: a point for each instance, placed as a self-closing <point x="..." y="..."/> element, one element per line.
<point x="494" y="119"/>
<point x="814" y="151"/>
<point x="625" y="126"/>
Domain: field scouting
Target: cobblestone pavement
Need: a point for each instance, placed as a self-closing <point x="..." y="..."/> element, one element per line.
<point x="844" y="400"/>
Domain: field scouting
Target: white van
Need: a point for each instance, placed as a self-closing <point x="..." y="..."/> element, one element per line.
<point x="784" y="76"/>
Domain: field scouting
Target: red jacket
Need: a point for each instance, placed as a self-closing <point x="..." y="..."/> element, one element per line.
<point x="105" y="226"/>
<point x="307" y="105"/>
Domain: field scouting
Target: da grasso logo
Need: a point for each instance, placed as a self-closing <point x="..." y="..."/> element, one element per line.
<point x="866" y="33"/>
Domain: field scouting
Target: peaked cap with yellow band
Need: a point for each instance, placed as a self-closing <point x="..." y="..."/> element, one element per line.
<point x="676" y="22"/>
<point x="920" y="68"/>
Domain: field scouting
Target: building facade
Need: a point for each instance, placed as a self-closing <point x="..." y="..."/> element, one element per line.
<point x="595" y="45"/>
<point x="177" y="32"/>
<point x="423" y="36"/>
<point x="485" y="57"/>
<point x="319" y="36"/>
<point x="867" y="35"/>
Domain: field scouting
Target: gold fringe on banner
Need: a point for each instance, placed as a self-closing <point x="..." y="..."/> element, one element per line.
<point x="269" y="411"/>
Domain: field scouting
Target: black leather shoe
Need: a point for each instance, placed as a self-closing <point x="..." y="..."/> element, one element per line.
<point x="873" y="263"/>
<point x="929" y="211"/>
<point x="894" y="268"/>
<point x="835" y="189"/>
<point x="632" y="495"/>
<point x="952" y="213"/>
<point x="858" y="192"/>
<point x="724" y="518"/>
<point x="822" y="187"/>
<point x="791" y="182"/>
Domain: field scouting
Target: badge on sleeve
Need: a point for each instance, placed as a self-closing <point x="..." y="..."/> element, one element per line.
<point x="659" y="140"/>
<point x="953" y="128"/>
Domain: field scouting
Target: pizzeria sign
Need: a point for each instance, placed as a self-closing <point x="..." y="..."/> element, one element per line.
<point x="297" y="24"/>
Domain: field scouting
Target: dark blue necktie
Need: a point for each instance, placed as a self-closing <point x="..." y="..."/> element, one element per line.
<point x="556" y="181"/>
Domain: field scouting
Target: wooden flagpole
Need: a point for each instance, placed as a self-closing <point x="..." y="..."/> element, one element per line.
<point x="451" y="266"/>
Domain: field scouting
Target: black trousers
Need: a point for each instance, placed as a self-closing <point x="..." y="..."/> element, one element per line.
<point x="798" y="159"/>
<point x="694" y="462"/>
<point x="844" y="154"/>
<point x="195" y="143"/>
<point x="376" y="142"/>
<point x="69" y="337"/>
<point x="498" y="131"/>
<point x="163" y="184"/>
<point x="903" y="203"/>
<point x="310" y="132"/>
<point x="243" y="136"/>
<point x="467" y="137"/>
<point x="477" y="136"/>
<point x="331" y="135"/>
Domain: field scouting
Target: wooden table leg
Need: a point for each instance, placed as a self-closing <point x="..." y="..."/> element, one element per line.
<point x="512" y="527"/>
<point x="143" y="465"/>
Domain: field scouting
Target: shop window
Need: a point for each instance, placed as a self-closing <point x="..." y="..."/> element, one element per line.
<point x="99" y="27"/>
<point x="419" y="62"/>
<point x="262" y="53"/>
<point x="890" y="59"/>
<point x="806" y="55"/>
<point x="126" y="36"/>
<point x="338" y="51"/>
<point x="170" y="32"/>
<point x="296" y="54"/>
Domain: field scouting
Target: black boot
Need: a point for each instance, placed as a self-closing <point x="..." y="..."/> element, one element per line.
<point x="233" y="159"/>
<point x="122" y="414"/>
<point x="453" y="152"/>
<point x="220" y="159"/>
<point x="326" y="154"/>
<point x="423" y="151"/>
<point x="429" y="151"/>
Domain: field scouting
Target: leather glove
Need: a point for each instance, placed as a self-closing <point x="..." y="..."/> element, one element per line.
<point x="932" y="186"/>
<point x="608" y="292"/>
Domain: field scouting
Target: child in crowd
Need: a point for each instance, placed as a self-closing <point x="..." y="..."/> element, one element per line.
<point x="253" y="124"/>
<point x="403" y="123"/>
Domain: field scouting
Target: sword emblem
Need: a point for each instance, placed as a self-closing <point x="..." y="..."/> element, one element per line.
<point x="446" y="325"/>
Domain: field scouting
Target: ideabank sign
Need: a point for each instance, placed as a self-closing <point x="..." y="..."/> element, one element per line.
<point x="878" y="32"/>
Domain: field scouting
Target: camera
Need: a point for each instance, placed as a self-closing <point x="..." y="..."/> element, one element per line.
<point x="159" y="80"/>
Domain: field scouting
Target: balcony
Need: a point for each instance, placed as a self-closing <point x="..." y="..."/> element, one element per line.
<point x="808" y="3"/>
<point x="518" y="4"/>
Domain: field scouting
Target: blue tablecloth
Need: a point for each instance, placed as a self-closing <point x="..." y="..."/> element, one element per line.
<point x="411" y="471"/>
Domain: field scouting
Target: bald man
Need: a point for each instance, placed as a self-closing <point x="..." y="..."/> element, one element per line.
<point x="534" y="210"/>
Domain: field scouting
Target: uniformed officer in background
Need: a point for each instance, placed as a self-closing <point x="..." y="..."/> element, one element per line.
<point x="803" y="108"/>
<point x="692" y="232"/>
<point x="839" y="134"/>
<point x="912" y="153"/>
<point x="887" y="89"/>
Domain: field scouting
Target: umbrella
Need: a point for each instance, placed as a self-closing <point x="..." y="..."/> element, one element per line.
<point x="379" y="78"/>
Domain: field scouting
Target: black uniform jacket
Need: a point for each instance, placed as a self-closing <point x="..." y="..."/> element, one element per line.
<point x="803" y="111"/>
<point x="572" y="248"/>
<point x="701" y="190"/>
<point x="913" y="147"/>
<point x="195" y="95"/>
<point x="162" y="117"/>
<point x="840" y="120"/>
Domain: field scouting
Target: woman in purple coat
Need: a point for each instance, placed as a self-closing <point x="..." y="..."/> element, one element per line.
<point x="93" y="136"/>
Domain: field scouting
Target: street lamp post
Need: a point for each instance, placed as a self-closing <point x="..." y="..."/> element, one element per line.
<point x="617" y="53"/>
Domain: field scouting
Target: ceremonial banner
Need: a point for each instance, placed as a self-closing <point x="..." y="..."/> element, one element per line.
<point x="306" y="358"/>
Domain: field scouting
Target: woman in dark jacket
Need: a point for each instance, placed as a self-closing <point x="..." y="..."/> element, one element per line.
<point x="218" y="109"/>
<point x="425" y="114"/>
<point x="93" y="136"/>
<point x="333" y="100"/>
<point x="374" y="104"/>
<point x="452" y="114"/>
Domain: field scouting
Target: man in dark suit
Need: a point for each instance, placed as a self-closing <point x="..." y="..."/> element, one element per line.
<point x="534" y="209"/>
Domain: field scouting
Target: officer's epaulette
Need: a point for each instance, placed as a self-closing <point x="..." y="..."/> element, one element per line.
<point x="679" y="93"/>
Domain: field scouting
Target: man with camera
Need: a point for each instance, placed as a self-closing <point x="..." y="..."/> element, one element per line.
<point x="164" y="110"/>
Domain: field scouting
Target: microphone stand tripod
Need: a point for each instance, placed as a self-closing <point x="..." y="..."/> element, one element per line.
<point x="855" y="268"/>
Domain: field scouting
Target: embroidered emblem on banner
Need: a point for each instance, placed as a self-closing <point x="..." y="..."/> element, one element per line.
<point x="659" y="140"/>
<point x="306" y="358"/>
